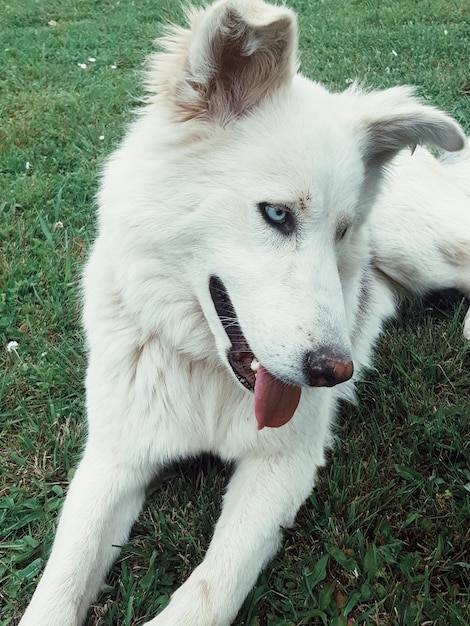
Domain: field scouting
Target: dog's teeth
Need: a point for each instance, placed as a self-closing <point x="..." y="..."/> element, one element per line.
<point x="254" y="365"/>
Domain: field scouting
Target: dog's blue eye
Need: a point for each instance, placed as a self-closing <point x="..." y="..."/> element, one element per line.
<point x="275" y="214"/>
<point x="278" y="216"/>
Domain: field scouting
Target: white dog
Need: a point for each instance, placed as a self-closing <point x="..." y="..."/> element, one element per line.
<point x="420" y="224"/>
<point x="231" y="288"/>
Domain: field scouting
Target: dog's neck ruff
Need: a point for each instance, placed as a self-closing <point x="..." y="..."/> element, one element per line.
<point x="275" y="400"/>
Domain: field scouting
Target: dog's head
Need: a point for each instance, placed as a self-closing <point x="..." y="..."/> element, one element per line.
<point x="279" y="175"/>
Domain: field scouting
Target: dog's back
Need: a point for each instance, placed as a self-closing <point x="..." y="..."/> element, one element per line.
<point x="420" y="224"/>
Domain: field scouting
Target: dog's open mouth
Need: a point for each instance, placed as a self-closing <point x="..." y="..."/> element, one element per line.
<point x="275" y="400"/>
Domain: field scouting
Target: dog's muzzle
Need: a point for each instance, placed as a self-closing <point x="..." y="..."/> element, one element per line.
<point x="276" y="400"/>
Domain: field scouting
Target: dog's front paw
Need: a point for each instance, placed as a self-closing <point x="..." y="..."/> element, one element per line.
<point x="49" y="617"/>
<point x="175" y="615"/>
<point x="196" y="603"/>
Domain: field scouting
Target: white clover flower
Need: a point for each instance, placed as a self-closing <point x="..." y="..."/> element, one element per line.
<point x="82" y="66"/>
<point x="12" y="347"/>
<point x="101" y="137"/>
<point x="27" y="165"/>
<point x="59" y="224"/>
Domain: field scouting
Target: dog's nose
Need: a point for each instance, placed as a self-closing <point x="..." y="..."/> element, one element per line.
<point x="326" y="368"/>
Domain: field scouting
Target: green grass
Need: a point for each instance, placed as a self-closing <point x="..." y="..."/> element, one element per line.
<point x="384" y="539"/>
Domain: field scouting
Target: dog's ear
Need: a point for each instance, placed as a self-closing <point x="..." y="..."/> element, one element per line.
<point x="393" y="119"/>
<point x="235" y="53"/>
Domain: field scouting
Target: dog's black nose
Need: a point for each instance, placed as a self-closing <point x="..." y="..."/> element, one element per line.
<point x="326" y="368"/>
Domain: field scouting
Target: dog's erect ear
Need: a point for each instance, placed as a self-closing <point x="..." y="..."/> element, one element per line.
<point x="393" y="119"/>
<point x="235" y="53"/>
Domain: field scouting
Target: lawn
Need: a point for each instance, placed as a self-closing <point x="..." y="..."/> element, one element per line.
<point x="384" y="538"/>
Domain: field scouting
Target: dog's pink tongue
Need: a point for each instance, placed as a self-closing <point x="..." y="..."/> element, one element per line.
<point x="275" y="401"/>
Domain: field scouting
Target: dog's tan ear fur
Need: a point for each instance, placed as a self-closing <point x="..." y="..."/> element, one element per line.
<point x="393" y="119"/>
<point x="234" y="53"/>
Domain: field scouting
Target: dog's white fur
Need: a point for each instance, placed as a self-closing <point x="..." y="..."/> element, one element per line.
<point x="231" y="124"/>
<point x="420" y="224"/>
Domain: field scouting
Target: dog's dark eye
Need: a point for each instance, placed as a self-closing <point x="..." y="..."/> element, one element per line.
<point x="277" y="215"/>
<point x="341" y="231"/>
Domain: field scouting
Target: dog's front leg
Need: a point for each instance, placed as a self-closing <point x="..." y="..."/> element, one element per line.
<point x="263" y="496"/>
<point x="104" y="499"/>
